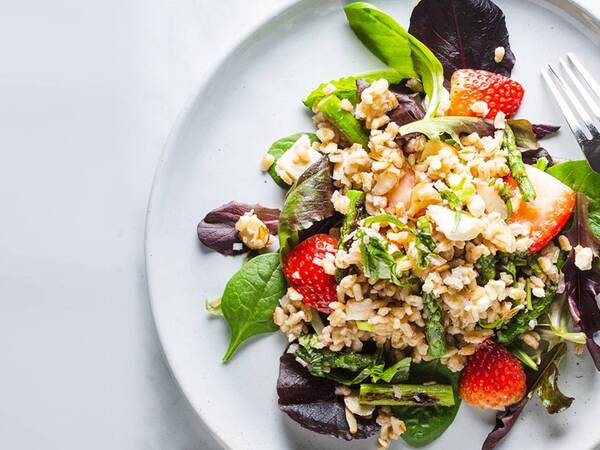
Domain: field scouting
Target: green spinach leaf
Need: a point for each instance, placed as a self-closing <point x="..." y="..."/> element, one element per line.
<point x="307" y="202"/>
<point x="397" y="48"/>
<point x="579" y="176"/>
<point x="346" y="87"/>
<point x="250" y="298"/>
<point x="278" y="148"/>
<point x="425" y="425"/>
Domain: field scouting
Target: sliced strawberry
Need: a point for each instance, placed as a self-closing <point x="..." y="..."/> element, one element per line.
<point x="492" y="378"/>
<point x="303" y="269"/>
<point x="548" y="213"/>
<point x="468" y="86"/>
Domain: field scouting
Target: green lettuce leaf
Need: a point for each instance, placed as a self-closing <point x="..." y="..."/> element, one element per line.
<point x="346" y="87"/>
<point x="453" y="126"/>
<point x="393" y="45"/>
<point x="308" y="201"/>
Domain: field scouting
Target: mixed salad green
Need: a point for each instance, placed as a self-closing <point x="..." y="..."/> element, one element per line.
<point x="318" y="381"/>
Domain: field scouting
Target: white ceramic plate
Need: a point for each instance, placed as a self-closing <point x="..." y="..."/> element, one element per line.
<point x="213" y="156"/>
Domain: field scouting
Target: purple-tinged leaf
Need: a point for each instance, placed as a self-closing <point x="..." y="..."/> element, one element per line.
<point x="507" y="418"/>
<point x="531" y="155"/>
<point x="582" y="287"/>
<point x="541" y="131"/>
<point x="311" y="402"/>
<point x="410" y="109"/>
<point x="217" y="229"/>
<point x="463" y="34"/>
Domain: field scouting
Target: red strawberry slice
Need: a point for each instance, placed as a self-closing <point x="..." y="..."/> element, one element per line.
<point x="548" y="213"/>
<point x="304" y="271"/>
<point x="492" y="378"/>
<point x="468" y="86"/>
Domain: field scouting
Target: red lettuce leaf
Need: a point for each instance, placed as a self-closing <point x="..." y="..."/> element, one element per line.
<point x="311" y="402"/>
<point x="410" y="109"/>
<point x="217" y="229"/>
<point x="463" y="34"/>
<point x="507" y="418"/>
<point x="583" y="286"/>
<point x="531" y="155"/>
<point x="542" y="131"/>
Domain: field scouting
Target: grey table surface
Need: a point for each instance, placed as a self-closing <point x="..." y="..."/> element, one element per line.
<point x="89" y="91"/>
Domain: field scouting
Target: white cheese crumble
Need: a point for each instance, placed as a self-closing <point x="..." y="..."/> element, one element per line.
<point x="583" y="257"/>
<point x="296" y="160"/>
<point x="467" y="228"/>
<point x="266" y="162"/>
<point x="253" y="232"/>
<point x="499" y="53"/>
<point x="480" y="108"/>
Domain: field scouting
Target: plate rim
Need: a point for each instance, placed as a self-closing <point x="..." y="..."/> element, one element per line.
<point x="572" y="8"/>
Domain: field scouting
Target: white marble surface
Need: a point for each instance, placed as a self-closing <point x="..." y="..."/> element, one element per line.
<point x="88" y="93"/>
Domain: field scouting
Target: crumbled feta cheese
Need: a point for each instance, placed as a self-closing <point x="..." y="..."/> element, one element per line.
<point x="266" y="162"/>
<point x="583" y="257"/>
<point x="499" y="53"/>
<point x="467" y="228"/>
<point x="253" y="232"/>
<point x="500" y="121"/>
<point x="346" y="105"/>
<point x="538" y="292"/>
<point x="296" y="160"/>
<point x="480" y="108"/>
<point x="476" y="206"/>
<point x="329" y="89"/>
<point x="564" y="243"/>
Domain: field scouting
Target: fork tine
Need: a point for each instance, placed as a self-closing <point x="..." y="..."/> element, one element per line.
<point x="564" y="106"/>
<point x="594" y="86"/>
<point x="576" y="103"/>
<point x="584" y="93"/>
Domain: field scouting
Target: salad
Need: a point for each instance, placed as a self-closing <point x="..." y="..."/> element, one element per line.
<point x="430" y="251"/>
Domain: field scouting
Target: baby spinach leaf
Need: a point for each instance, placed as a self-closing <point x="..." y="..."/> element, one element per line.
<point x="425" y="425"/>
<point x="344" y="121"/>
<point x="391" y="43"/>
<point x="217" y="229"/>
<point x="452" y="126"/>
<point x="278" y="148"/>
<point x="463" y="34"/>
<point x="250" y="298"/>
<point x="308" y="201"/>
<point x="346" y="87"/>
<point x="579" y="176"/>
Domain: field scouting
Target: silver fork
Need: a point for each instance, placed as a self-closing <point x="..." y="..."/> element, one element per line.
<point x="575" y="113"/>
